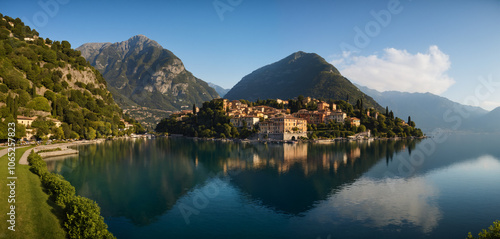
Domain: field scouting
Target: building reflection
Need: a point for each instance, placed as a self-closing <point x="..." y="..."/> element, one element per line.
<point x="141" y="180"/>
<point x="292" y="178"/>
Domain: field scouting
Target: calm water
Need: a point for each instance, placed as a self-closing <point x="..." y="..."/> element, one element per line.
<point x="180" y="188"/>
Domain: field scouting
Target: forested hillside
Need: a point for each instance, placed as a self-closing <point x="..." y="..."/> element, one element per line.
<point x="50" y="82"/>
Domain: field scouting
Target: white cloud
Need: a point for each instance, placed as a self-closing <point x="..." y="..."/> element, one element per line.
<point x="399" y="70"/>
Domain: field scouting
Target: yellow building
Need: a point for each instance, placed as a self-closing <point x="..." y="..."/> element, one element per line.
<point x="26" y="121"/>
<point x="355" y="122"/>
<point x="283" y="128"/>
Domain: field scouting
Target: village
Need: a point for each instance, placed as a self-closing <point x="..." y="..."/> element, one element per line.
<point x="281" y="124"/>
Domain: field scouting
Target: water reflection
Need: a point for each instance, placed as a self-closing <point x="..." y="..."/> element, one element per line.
<point x="142" y="179"/>
<point x="382" y="203"/>
<point x="290" y="191"/>
<point x="291" y="178"/>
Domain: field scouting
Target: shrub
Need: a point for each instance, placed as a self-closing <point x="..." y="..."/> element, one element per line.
<point x="492" y="233"/>
<point x="83" y="219"/>
<point x="38" y="166"/>
<point x="82" y="216"/>
<point x="4" y="88"/>
<point x="60" y="190"/>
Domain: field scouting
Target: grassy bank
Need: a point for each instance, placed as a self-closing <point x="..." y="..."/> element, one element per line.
<point x="35" y="213"/>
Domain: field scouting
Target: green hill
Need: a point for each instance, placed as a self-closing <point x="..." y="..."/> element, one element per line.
<point x="301" y="73"/>
<point x="50" y="80"/>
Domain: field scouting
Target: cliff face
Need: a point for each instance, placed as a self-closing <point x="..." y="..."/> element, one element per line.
<point x="142" y="71"/>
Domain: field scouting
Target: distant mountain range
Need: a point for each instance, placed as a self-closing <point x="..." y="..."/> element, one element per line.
<point x="431" y="111"/>
<point x="221" y="91"/>
<point x="139" y="71"/>
<point x="301" y="73"/>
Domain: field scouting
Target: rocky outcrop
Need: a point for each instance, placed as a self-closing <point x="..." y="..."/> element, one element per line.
<point x="143" y="71"/>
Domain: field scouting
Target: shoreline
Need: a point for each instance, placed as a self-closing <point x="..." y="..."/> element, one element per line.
<point x="65" y="150"/>
<point x="317" y="141"/>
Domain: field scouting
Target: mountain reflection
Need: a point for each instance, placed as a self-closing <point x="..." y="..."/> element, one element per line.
<point x="292" y="178"/>
<point x="141" y="180"/>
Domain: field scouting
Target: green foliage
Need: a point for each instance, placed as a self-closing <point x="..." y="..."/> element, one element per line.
<point x="42" y="127"/>
<point x="39" y="103"/>
<point x="28" y="66"/>
<point x="83" y="219"/>
<point x="49" y="95"/>
<point x="82" y="215"/>
<point x="90" y="133"/>
<point x="4" y="88"/>
<point x="210" y="122"/>
<point x="493" y="232"/>
<point x="24" y="97"/>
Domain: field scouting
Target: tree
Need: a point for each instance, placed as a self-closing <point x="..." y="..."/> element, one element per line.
<point x="57" y="133"/>
<point x="50" y="95"/>
<point x="49" y="56"/>
<point x="33" y="91"/>
<point x="42" y="127"/>
<point x="4" y="88"/>
<point x="24" y="97"/>
<point x="66" y="130"/>
<point x="20" y="131"/>
<point x="39" y="103"/>
<point x="90" y="133"/>
<point x="361" y="128"/>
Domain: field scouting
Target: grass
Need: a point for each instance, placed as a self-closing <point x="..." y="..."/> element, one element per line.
<point x="35" y="213"/>
<point x="49" y="150"/>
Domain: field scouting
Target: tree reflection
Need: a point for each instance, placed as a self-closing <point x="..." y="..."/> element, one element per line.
<point x="142" y="179"/>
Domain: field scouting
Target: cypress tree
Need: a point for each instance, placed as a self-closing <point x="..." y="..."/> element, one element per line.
<point x="16" y="105"/>
<point x="33" y="91"/>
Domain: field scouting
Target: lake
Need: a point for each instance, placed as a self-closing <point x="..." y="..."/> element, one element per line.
<point x="440" y="187"/>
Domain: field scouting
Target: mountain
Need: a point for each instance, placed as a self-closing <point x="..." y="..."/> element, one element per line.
<point x="428" y="110"/>
<point x="301" y="73"/>
<point x="221" y="91"/>
<point x="487" y="122"/>
<point x="146" y="74"/>
<point x="51" y="81"/>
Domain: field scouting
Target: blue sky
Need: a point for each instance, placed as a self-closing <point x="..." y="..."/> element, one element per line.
<point x="443" y="47"/>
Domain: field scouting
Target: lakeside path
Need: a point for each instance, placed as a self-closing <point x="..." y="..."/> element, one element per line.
<point x="64" y="149"/>
<point x="6" y="150"/>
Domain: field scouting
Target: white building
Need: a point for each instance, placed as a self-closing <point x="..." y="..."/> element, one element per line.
<point x="250" y="121"/>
